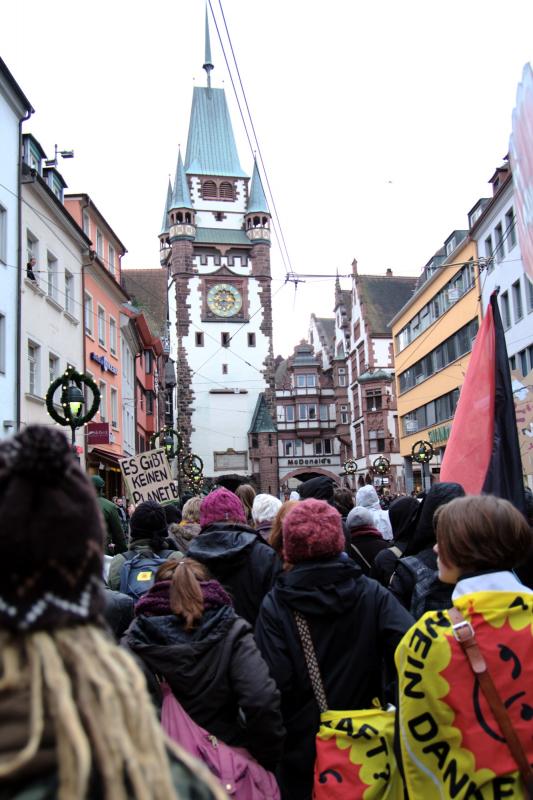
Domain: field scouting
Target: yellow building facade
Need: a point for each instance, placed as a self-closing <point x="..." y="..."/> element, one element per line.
<point x="432" y="339"/>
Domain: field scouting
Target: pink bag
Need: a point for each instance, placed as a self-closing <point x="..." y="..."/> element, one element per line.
<point x="238" y="772"/>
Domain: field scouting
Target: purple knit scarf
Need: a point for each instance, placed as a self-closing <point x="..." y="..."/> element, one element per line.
<point x="156" y="601"/>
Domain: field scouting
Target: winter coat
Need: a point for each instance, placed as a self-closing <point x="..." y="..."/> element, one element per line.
<point x="403" y="514"/>
<point x="416" y="585"/>
<point x="239" y="559"/>
<point x="116" y="540"/>
<point x="118" y="611"/>
<point x="365" y="544"/>
<point x="355" y="626"/>
<point x="183" y="534"/>
<point x="265" y="529"/>
<point x="214" y="671"/>
<point x="367" y="497"/>
<point x="137" y="546"/>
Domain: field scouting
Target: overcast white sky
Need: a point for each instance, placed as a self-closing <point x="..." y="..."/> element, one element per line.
<point x="379" y="122"/>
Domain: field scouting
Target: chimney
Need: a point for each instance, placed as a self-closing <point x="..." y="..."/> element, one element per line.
<point x="389" y="272"/>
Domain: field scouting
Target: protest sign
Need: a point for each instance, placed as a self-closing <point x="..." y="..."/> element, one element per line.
<point x="148" y="477"/>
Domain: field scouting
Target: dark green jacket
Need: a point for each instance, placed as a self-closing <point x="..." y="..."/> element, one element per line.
<point x="115" y="532"/>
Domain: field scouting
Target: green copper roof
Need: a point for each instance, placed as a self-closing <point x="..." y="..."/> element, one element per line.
<point x="164" y="224"/>
<point x="221" y="236"/>
<point x="257" y="204"/>
<point x="261" y="420"/>
<point x="181" y="197"/>
<point x="211" y="148"/>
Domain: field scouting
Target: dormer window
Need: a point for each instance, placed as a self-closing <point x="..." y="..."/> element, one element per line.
<point x="209" y="190"/>
<point x="226" y="191"/>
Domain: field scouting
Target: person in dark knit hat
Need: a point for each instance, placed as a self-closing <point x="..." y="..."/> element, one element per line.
<point x="76" y="720"/>
<point x="355" y="626"/>
<point x="148" y="535"/>
<point x="234" y="553"/>
<point x="116" y="540"/>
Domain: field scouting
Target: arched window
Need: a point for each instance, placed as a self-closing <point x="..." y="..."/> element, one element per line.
<point x="226" y="190"/>
<point x="257" y="222"/>
<point x="265" y="222"/>
<point x="209" y="190"/>
<point x="187" y="218"/>
<point x="180" y="217"/>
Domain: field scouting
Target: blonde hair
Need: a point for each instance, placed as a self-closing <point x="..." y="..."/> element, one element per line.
<point x="102" y="718"/>
<point x="191" y="510"/>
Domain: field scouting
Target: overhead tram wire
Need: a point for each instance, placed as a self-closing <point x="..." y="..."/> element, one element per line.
<point x="284" y="254"/>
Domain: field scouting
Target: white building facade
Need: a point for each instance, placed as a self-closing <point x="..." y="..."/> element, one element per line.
<point x="52" y="335"/>
<point x="14" y="108"/>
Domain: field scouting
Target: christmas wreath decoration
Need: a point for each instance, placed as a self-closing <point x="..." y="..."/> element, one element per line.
<point x="72" y="376"/>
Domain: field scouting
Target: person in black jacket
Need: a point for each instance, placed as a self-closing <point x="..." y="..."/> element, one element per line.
<point x="366" y="542"/>
<point x="235" y="554"/>
<point x="355" y="626"/>
<point x="403" y="514"/>
<point x="415" y="581"/>
<point x="187" y="632"/>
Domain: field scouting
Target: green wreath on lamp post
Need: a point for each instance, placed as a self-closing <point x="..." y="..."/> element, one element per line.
<point x="72" y="400"/>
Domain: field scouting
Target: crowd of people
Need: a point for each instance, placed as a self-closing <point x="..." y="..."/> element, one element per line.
<point x="106" y="612"/>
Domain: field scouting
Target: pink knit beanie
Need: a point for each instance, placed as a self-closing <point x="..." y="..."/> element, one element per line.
<point x="221" y="506"/>
<point x="312" y="530"/>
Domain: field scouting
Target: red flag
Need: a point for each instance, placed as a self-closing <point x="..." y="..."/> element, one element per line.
<point x="483" y="453"/>
<point x="467" y="456"/>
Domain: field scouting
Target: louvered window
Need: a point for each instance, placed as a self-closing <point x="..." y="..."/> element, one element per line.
<point x="226" y="191"/>
<point x="209" y="190"/>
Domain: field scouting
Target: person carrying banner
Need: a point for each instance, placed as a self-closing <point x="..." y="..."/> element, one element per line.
<point x="452" y="730"/>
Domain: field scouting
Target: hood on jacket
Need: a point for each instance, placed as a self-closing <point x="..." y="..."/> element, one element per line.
<point x="224" y="542"/>
<point x="403" y="513"/>
<point x="320" y="488"/>
<point x="367" y="497"/>
<point x="320" y="587"/>
<point x="424" y="535"/>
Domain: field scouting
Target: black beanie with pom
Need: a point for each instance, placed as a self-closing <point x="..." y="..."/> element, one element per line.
<point x="51" y="535"/>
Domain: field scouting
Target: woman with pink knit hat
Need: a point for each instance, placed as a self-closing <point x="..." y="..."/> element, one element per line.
<point x="234" y="553"/>
<point x="355" y="626"/>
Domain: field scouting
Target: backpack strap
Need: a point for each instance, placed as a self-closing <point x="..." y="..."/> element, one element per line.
<point x="395" y="550"/>
<point x="129" y="555"/>
<point x="311" y="661"/>
<point x="361" y="556"/>
<point x="465" y="635"/>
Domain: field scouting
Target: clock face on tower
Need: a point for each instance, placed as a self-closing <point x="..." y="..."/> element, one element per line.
<point x="224" y="300"/>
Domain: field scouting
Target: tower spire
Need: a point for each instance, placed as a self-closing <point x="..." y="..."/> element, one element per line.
<point x="208" y="64"/>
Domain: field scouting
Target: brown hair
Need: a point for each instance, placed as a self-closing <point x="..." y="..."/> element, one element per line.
<point x="276" y="540"/>
<point x="186" y="598"/>
<point x="343" y="500"/>
<point x="246" y="495"/>
<point x="191" y="510"/>
<point x="478" y="533"/>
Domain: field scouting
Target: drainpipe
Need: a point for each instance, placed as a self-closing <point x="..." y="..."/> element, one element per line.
<point x="18" y="382"/>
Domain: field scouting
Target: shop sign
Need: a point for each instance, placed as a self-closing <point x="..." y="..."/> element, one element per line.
<point x="148" y="477"/>
<point x="106" y="365"/>
<point x="439" y="435"/>
<point x="97" y="433"/>
<point x="307" y="462"/>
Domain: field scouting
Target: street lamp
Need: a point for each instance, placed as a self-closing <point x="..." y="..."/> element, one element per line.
<point x="72" y="400"/>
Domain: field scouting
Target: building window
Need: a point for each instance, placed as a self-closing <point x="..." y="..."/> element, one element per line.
<point x="317" y="448"/>
<point x="345" y="418"/>
<point x="51" y="272"/>
<point x="226" y="191"/>
<point x="328" y="448"/>
<point x="53" y="367"/>
<point x="32" y="247"/>
<point x="69" y="292"/>
<point x="342" y="376"/>
<point x="111" y="259"/>
<point x="373" y="400"/>
<point x="86" y="225"/>
<point x="199" y="339"/>
<point x="376" y="442"/>
<point x="303" y="381"/>
<point x="251" y="340"/>
<point x="289" y="413"/>
<point x="148" y="362"/>
<point x="99" y="244"/>
<point x="439" y="410"/>
<point x="209" y="190"/>
<point x="149" y="402"/>
<point x="2" y="343"/>
<point x="34" y="378"/>
<point x="323" y="412"/>
<point x="224" y="339"/>
<point x="224" y="369"/>
<point x="510" y="228"/>
<point x="522" y="358"/>
<point x="512" y="363"/>
<point x="302" y="412"/>
<point x="112" y="336"/>
<point x="3" y="235"/>
<point x="517" y="301"/>
<point x="505" y="310"/>
<point x="103" y="401"/>
<point x="101" y="326"/>
<point x="489" y="253"/>
<point x="529" y="295"/>
<point x="89" y="322"/>
<point x="498" y="237"/>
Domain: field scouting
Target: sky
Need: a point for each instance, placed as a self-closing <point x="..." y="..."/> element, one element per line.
<point x="379" y="123"/>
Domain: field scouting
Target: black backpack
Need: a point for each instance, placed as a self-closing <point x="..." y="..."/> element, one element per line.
<point x="429" y="593"/>
<point x="137" y="573"/>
